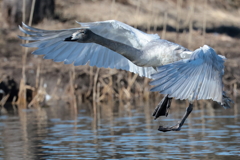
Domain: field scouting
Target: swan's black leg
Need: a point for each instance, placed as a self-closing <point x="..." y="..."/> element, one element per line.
<point x="178" y="126"/>
<point x="162" y="108"/>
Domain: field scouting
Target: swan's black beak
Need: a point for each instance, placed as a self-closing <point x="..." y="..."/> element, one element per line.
<point x="70" y="39"/>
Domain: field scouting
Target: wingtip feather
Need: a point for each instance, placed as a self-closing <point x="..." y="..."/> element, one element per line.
<point x="26" y="26"/>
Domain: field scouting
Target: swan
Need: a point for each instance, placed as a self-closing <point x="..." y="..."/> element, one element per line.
<point x="176" y="71"/>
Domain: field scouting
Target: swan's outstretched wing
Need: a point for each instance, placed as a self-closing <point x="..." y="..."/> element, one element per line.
<point x="52" y="45"/>
<point x="199" y="77"/>
<point x="120" y="32"/>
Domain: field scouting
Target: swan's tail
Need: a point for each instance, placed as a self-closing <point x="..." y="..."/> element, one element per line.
<point x="199" y="77"/>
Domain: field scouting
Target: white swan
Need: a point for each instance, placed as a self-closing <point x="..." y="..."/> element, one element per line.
<point x="176" y="71"/>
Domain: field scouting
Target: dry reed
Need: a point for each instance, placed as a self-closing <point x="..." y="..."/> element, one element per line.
<point x="179" y="5"/>
<point x="164" y="25"/>
<point x="149" y="22"/>
<point x="137" y="13"/>
<point x="204" y="22"/>
<point x="4" y="100"/>
<point x="191" y="12"/>
<point x="95" y="98"/>
<point x="72" y="95"/>
<point x="22" y="89"/>
<point x="113" y="8"/>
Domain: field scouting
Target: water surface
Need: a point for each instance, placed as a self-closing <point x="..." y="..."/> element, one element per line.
<point x="119" y="132"/>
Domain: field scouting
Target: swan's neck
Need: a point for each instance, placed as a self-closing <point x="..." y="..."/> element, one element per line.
<point x="127" y="51"/>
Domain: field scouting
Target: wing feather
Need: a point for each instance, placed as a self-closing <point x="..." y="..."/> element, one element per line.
<point x="52" y="45"/>
<point x="199" y="77"/>
<point x="118" y="31"/>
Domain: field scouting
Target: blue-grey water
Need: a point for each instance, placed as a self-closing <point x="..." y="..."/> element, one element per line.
<point x="118" y="132"/>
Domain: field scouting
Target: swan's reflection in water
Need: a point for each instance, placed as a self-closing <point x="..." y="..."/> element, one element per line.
<point x="119" y="132"/>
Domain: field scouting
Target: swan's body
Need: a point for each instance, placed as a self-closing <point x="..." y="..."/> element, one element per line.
<point x="177" y="72"/>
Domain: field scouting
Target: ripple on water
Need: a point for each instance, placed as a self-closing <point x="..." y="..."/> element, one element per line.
<point x="121" y="137"/>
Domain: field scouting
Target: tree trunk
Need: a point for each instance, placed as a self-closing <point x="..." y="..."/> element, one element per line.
<point x="12" y="11"/>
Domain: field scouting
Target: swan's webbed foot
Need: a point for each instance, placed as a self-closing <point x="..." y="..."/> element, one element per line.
<point x="178" y="126"/>
<point x="162" y="108"/>
<point x="83" y="35"/>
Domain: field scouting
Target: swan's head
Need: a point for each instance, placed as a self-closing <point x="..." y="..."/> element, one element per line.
<point x="83" y="35"/>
